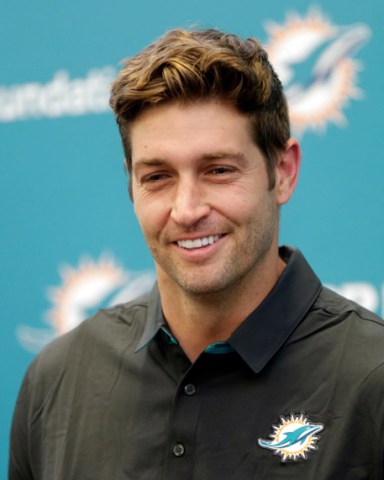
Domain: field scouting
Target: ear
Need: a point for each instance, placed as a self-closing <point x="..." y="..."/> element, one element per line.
<point x="287" y="171"/>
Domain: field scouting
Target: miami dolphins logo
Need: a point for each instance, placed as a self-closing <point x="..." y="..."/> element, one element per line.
<point x="84" y="289"/>
<point x="293" y="438"/>
<point x="314" y="60"/>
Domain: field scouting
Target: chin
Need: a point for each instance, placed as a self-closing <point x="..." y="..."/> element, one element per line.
<point x="199" y="287"/>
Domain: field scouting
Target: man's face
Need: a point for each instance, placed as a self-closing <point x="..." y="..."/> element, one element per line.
<point x="200" y="192"/>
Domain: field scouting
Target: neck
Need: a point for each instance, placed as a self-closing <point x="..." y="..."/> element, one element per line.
<point x="202" y="319"/>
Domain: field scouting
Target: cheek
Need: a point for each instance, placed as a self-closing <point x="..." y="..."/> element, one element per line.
<point x="253" y="208"/>
<point x="238" y="201"/>
<point x="152" y="216"/>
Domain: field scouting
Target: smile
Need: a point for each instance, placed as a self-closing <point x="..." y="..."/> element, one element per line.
<point x="198" y="242"/>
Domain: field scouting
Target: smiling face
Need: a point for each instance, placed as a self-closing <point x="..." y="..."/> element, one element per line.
<point x="200" y="192"/>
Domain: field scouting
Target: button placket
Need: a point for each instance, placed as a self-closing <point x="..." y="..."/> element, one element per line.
<point x="178" y="450"/>
<point x="182" y="434"/>
<point x="189" y="389"/>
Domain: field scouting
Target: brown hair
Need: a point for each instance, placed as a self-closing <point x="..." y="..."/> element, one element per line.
<point x="193" y="65"/>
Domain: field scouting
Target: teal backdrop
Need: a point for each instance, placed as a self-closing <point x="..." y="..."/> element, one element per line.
<point x="69" y="239"/>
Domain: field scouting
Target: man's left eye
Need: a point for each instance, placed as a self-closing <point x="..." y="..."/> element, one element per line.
<point x="221" y="170"/>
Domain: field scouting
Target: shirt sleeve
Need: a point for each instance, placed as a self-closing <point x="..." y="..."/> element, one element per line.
<point x="19" y="467"/>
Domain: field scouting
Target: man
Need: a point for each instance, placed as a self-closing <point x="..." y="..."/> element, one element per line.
<point x="238" y="364"/>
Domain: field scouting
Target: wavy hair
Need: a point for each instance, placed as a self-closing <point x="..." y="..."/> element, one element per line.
<point x="205" y="64"/>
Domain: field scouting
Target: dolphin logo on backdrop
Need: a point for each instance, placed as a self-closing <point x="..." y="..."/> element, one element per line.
<point x="310" y="43"/>
<point x="83" y="290"/>
<point x="314" y="60"/>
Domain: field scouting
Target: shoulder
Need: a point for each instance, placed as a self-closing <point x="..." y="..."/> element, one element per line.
<point x="337" y="308"/>
<point x="109" y="330"/>
<point x="353" y="335"/>
<point x="73" y="370"/>
<point x="343" y="344"/>
<point x="341" y="337"/>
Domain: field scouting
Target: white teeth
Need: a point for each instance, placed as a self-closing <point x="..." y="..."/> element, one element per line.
<point x="199" y="242"/>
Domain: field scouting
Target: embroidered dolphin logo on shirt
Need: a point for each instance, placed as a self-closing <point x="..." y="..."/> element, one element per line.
<point x="293" y="437"/>
<point x="296" y="437"/>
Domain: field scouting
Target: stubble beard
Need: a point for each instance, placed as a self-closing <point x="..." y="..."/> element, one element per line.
<point x="243" y="264"/>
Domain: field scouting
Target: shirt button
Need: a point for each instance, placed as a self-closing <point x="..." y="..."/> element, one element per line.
<point x="189" y="389"/>
<point x="178" y="450"/>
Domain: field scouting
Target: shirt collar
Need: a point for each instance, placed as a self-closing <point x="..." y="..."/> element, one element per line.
<point x="154" y="320"/>
<point x="268" y="327"/>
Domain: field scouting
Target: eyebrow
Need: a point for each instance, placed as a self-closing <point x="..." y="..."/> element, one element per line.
<point x="225" y="154"/>
<point x="156" y="162"/>
<point x="150" y="162"/>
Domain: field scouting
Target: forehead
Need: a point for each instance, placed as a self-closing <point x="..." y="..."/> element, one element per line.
<point x="199" y="127"/>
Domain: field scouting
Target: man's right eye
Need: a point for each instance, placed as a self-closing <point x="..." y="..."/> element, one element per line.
<point x="155" y="177"/>
<point x="154" y="180"/>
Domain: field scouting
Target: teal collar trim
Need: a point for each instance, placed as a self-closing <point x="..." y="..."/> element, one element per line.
<point x="219" y="348"/>
<point x="171" y="339"/>
<point x="214" y="348"/>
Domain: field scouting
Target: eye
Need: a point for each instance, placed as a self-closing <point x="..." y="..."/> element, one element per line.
<point x="153" y="178"/>
<point x="222" y="174"/>
<point x="222" y="170"/>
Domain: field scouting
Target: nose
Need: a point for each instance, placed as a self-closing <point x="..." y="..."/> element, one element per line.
<point x="189" y="204"/>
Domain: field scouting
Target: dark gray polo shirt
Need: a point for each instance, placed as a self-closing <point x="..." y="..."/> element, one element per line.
<point x="297" y="392"/>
